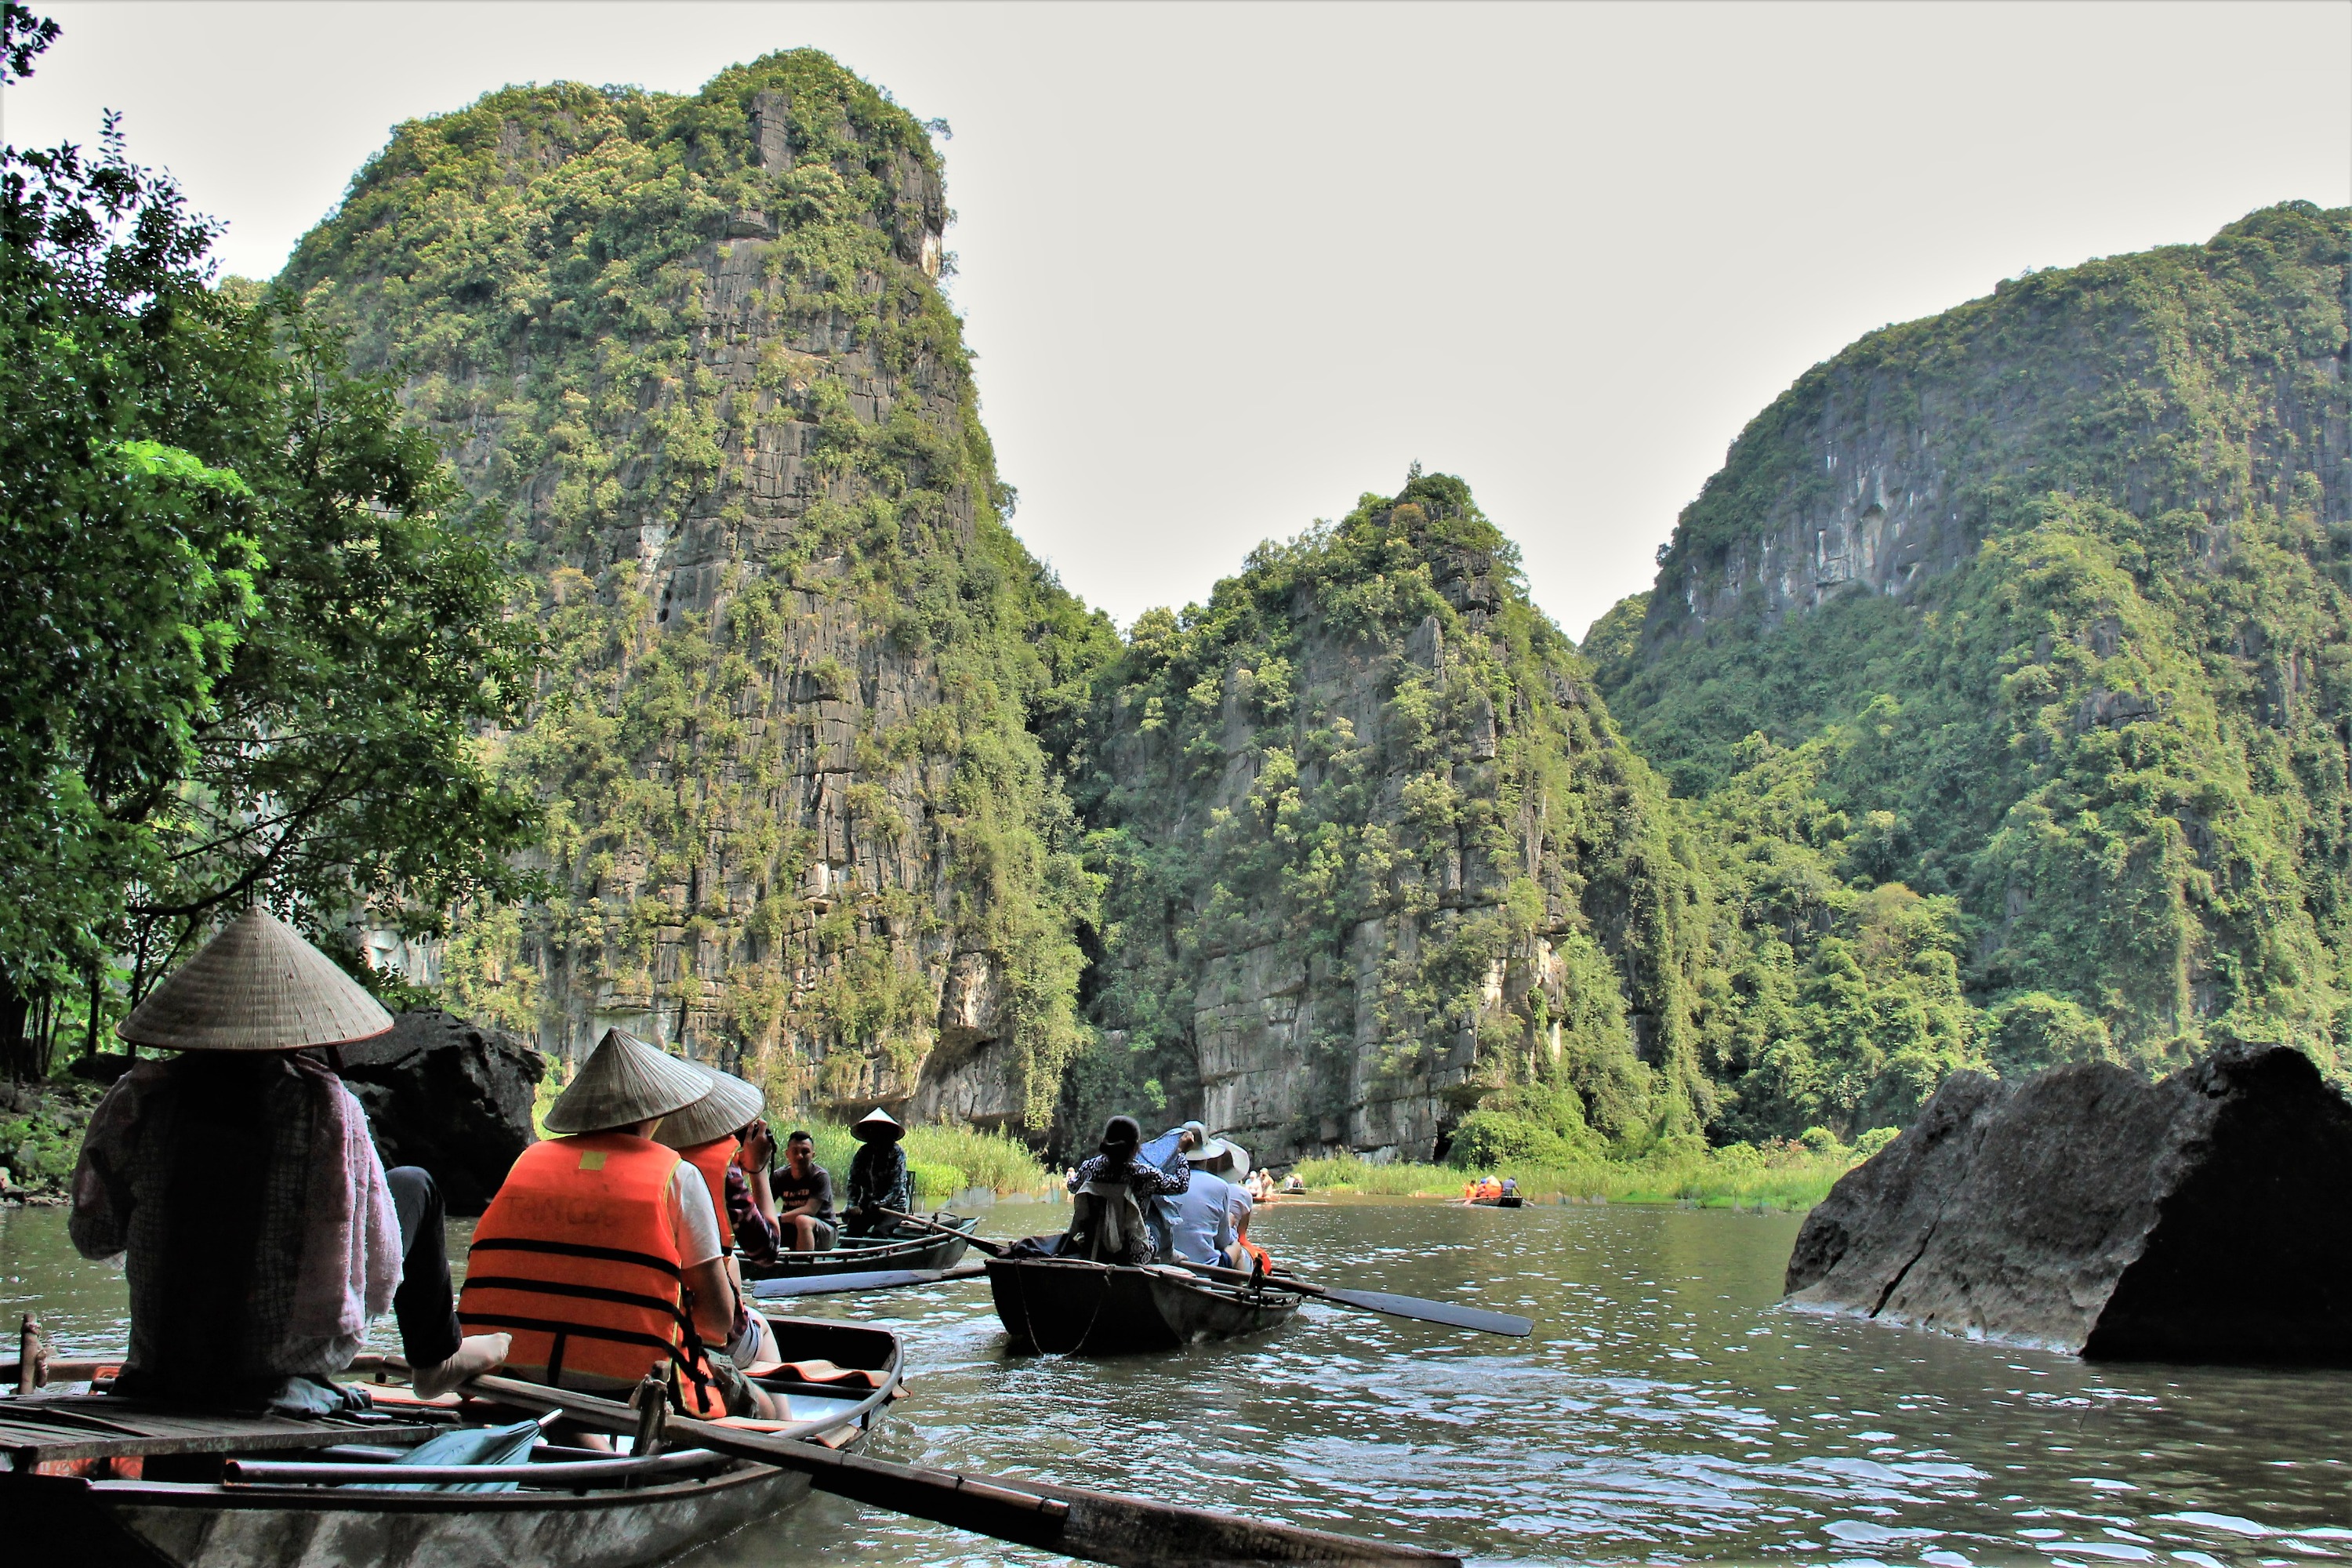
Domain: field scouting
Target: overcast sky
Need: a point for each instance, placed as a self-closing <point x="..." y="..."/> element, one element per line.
<point x="1228" y="266"/>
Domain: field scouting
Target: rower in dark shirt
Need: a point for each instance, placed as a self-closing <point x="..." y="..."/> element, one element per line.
<point x="804" y="1191"/>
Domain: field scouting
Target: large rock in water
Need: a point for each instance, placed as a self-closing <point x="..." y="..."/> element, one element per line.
<point x="2087" y="1209"/>
<point x="450" y="1096"/>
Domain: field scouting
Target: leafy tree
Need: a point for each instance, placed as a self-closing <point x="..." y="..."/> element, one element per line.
<point x="245" y="650"/>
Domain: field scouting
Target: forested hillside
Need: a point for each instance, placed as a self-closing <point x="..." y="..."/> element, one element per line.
<point x="1990" y="708"/>
<point x="690" y="354"/>
<point x="1377" y="860"/>
<point x="2004" y="667"/>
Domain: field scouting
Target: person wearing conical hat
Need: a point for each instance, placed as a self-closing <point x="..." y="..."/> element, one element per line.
<point x="258" y="1229"/>
<point x="716" y="1136"/>
<point x="878" y="1179"/>
<point x="600" y="1252"/>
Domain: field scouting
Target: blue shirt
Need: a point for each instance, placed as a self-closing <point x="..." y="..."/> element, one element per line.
<point x="1203" y="1226"/>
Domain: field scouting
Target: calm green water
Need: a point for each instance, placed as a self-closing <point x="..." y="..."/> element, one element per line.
<point x="1665" y="1410"/>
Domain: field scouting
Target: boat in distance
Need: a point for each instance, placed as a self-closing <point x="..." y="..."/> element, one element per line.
<point x="861" y="1255"/>
<point x="100" y="1482"/>
<point x="1066" y="1306"/>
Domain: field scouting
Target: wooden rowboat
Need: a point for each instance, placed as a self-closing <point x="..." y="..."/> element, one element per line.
<point x="1066" y="1306"/>
<point x="857" y="1254"/>
<point x="100" y="1482"/>
<point x="1508" y="1201"/>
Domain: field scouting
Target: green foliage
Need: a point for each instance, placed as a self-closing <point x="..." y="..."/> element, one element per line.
<point x="1368" y="769"/>
<point x="247" y="647"/>
<point x="2102" y="753"/>
<point x="943" y="1159"/>
<point x="1780" y="1176"/>
<point x="787" y="785"/>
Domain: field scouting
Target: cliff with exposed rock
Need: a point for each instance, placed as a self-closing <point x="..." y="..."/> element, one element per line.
<point x="1377" y="861"/>
<point x="691" y="351"/>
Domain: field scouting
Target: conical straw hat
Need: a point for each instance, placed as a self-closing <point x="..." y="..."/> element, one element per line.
<point x="625" y="1082"/>
<point x="731" y="1104"/>
<point x="878" y="1125"/>
<point x="257" y="986"/>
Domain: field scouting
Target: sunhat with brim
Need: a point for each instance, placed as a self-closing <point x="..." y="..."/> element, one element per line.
<point x="731" y="1104"/>
<point x="1212" y="1152"/>
<point x="623" y="1082"/>
<point x="257" y="986"/>
<point x="877" y="1125"/>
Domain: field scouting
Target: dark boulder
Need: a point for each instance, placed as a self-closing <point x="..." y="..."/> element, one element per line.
<point x="453" y="1097"/>
<point x="2087" y="1209"/>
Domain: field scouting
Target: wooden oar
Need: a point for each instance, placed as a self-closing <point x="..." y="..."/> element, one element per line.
<point x="1097" y="1526"/>
<point x="1414" y="1307"/>
<point x="871" y="1279"/>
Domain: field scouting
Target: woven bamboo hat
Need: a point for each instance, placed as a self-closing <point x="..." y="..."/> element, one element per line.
<point x="257" y="986"/>
<point x="878" y="1126"/>
<point x="731" y="1104"/>
<point x="623" y="1082"/>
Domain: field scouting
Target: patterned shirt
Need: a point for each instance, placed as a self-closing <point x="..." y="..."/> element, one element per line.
<point x="252" y="1212"/>
<point x="1144" y="1181"/>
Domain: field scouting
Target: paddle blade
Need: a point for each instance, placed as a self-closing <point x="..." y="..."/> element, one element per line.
<point x="1444" y="1313"/>
<point x="872" y="1279"/>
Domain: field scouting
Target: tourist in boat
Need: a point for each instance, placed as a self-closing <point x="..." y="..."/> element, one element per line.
<point x="804" y="1197"/>
<point x="237" y="1182"/>
<point x="1294" y="1182"/>
<point x="1108" y="1191"/>
<point x="879" y="1178"/>
<point x="711" y="1135"/>
<point x="600" y="1254"/>
<point x="1510" y="1187"/>
<point x="1203" y="1228"/>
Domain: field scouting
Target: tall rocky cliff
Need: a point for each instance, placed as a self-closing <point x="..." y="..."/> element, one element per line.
<point x="2032" y="615"/>
<point x="1377" y="858"/>
<point x="692" y="352"/>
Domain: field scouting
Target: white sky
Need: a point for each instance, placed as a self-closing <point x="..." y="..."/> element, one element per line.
<point x="1228" y="266"/>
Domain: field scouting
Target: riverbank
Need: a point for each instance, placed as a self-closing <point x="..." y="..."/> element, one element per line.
<point x="40" y="1136"/>
<point x="1790" y="1175"/>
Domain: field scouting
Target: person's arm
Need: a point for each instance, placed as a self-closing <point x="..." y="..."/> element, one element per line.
<point x="714" y="1302"/>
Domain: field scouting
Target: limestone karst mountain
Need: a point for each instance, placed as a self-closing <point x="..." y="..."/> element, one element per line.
<point x="1378" y="859"/>
<point x="692" y="351"/>
<point x="2001" y="676"/>
<point x="2038" y="610"/>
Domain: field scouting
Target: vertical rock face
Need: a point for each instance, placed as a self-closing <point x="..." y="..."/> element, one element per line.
<point x="690" y="359"/>
<point x="2197" y="376"/>
<point x="2088" y="1210"/>
<point x="2048" y="595"/>
<point x="1377" y="860"/>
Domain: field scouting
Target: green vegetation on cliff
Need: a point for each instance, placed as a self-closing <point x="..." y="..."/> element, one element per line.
<point x="1376" y="859"/>
<point x="690" y="354"/>
<point x="2006" y="664"/>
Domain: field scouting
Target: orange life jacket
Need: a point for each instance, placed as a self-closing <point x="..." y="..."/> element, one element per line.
<point x="712" y="1159"/>
<point x="577" y="1261"/>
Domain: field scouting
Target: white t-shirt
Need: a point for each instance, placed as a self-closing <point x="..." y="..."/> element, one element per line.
<point x="1237" y="1204"/>
<point x="692" y="1218"/>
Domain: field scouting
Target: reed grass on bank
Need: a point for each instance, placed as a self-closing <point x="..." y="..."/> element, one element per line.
<point x="944" y="1161"/>
<point x="1780" y="1176"/>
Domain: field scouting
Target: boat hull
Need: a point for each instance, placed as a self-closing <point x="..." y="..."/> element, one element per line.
<point x="1065" y="1307"/>
<point x="1510" y="1201"/>
<point x="133" y="1524"/>
<point x="95" y="1520"/>
<point x="930" y="1251"/>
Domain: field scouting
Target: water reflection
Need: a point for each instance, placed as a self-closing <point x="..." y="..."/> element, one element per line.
<point x="1665" y="1410"/>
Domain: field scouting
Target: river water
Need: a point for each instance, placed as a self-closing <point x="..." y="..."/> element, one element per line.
<point x="1665" y="1410"/>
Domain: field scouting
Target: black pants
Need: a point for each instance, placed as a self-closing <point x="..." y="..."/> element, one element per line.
<point x="422" y="1306"/>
